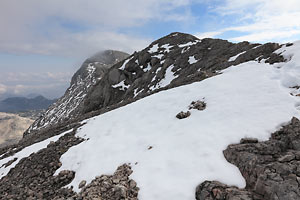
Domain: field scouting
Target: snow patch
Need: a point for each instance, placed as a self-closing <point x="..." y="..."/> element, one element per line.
<point x="122" y="85"/>
<point x="167" y="47"/>
<point x="91" y="68"/>
<point x="153" y="49"/>
<point x="169" y="77"/>
<point x="136" y="92"/>
<point x="147" y="68"/>
<point x="192" y="60"/>
<point x="233" y="58"/>
<point x="124" y="64"/>
<point x="159" y="56"/>
<point x="188" y="44"/>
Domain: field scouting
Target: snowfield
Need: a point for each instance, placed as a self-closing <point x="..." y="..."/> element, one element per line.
<point x="249" y="100"/>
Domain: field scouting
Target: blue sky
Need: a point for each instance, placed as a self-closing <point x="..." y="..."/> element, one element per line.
<point x="42" y="43"/>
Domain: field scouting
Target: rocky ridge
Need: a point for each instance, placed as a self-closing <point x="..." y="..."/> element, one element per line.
<point x="174" y="60"/>
<point x="91" y="71"/>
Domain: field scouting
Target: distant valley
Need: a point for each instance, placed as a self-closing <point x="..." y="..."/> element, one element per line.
<point x="17" y="114"/>
<point x="12" y="127"/>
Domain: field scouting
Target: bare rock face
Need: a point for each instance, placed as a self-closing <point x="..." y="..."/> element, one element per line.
<point x="91" y="71"/>
<point x="271" y="169"/>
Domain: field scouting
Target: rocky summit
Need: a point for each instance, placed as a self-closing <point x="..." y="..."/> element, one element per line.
<point x="184" y="118"/>
<point x="91" y="71"/>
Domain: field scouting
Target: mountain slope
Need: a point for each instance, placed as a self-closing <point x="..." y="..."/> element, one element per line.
<point x="171" y="61"/>
<point x="89" y="73"/>
<point x="171" y="140"/>
<point x="188" y="151"/>
<point x="17" y="104"/>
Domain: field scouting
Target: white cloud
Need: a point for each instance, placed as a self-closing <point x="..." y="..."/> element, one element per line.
<point x="263" y="20"/>
<point x="72" y="27"/>
<point x="50" y="84"/>
<point x="3" y="89"/>
<point x="208" y="34"/>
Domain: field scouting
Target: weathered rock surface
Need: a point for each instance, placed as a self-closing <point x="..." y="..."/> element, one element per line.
<point x="213" y="190"/>
<point x="271" y="168"/>
<point x="117" y="186"/>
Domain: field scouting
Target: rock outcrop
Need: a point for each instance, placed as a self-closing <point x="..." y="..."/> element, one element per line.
<point x="117" y="186"/>
<point x="271" y="168"/>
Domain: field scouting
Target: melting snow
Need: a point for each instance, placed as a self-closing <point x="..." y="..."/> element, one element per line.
<point x="136" y="92"/>
<point x="91" y="68"/>
<point x="34" y="148"/>
<point x="192" y="60"/>
<point x="233" y="58"/>
<point x="159" y="56"/>
<point x="189" y="44"/>
<point x="121" y="84"/>
<point x="147" y="68"/>
<point x="244" y="101"/>
<point x="169" y="76"/>
<point x="124" y="64"/>
<point x="167" y="47"/>
<point x="153" y="49"/>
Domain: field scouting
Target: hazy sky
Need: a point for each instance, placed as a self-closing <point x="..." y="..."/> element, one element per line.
<point x="43" y="42"/>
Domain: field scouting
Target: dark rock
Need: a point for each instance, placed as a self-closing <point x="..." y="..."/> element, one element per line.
<point x="198" y="105"/>
<point x="111" y="187"/>
<point x="82" y="184"/>
<point x="183" y="115"/>
<point x="248" y="140"/>
<point x="213" y="190"/>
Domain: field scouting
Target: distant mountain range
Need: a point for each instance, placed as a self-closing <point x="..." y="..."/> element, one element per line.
<point x="18" y="104"/>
